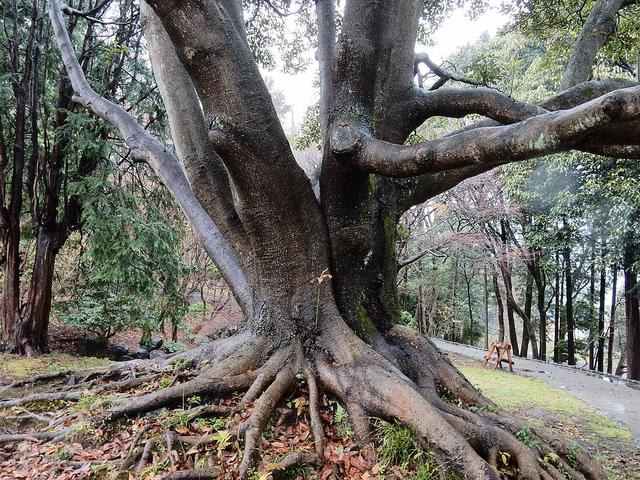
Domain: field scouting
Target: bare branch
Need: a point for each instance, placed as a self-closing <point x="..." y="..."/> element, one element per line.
<point x="413" y="258"/>
<point x="442" y="74"/>
<point x="85" y="13"/>
<point x="88" y="14"/>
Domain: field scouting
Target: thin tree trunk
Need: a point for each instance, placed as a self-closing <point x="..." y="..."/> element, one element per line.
<point x="621" y="364"/>
<point x="419" y="317"/>
<point x="631" y="310"/>
<point x="486" y="310"/>
<point x="513" y="334"/>
<point x="571" y="348"/>
<point x="556" y="313"/>
<point x="470" y="306"/>
<point x="612" y="317"/>
<point x="542" y="310"/>
<point x="592" y="301"/>
<point x="11" y="235"/>
<point x="528" y="301"/>
<point x="454" y="297"/>
<point x="499" y="305"/>
<point x="601" y="308"/>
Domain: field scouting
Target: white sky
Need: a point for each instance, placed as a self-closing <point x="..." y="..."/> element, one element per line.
<point x="455" y="32"/>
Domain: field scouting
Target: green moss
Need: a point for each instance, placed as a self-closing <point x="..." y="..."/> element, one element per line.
<point x="389" y="226"/>
<point x="16" y="366"/>
<point x="366" y="326"/>
<point x="607" y="428"/>
<point x="373" y="183"/>
<point x="512" y="391"/>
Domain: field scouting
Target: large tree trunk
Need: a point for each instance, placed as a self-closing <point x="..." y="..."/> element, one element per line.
<point x="34" y="322"/>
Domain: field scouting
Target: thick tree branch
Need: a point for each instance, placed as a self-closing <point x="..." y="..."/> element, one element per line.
<point x="600" y="25"/>
<point x="458" y="102"/>
<point x="429" y="185"/>
<point x="146" y="147"/>
<point x="204" y="168"/>
<point x="326" y="22"/>
<point x="536" y="136"/>
<point x="210" y="41"/>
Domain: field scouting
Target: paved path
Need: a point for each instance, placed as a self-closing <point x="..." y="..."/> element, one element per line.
<point x="609" y="396"/>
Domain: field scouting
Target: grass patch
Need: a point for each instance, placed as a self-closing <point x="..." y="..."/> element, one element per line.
<point x="607" y="428"/>
<point x="16" y="366"/>
<point x="550" y="407"/>
<point x="514" y="392"/>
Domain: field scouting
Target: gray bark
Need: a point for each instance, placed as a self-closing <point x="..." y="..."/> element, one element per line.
<point x="600" y="25"/>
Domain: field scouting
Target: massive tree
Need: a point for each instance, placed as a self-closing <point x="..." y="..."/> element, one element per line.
<point x="316" y="278"/>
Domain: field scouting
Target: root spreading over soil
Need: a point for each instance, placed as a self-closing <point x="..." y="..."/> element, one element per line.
<point x="205" y="413"/>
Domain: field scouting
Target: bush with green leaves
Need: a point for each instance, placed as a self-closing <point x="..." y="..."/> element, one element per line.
<point x="129" y="271"/>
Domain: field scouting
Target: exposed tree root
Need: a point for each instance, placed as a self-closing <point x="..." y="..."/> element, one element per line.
<point x="262" y="411"/>
<point x="20" y="437"/>
<point x="406" y="384"/>
<point x="194" y="474"/>
<point x="314" y="413"/>
<point x="291" y="460"/>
